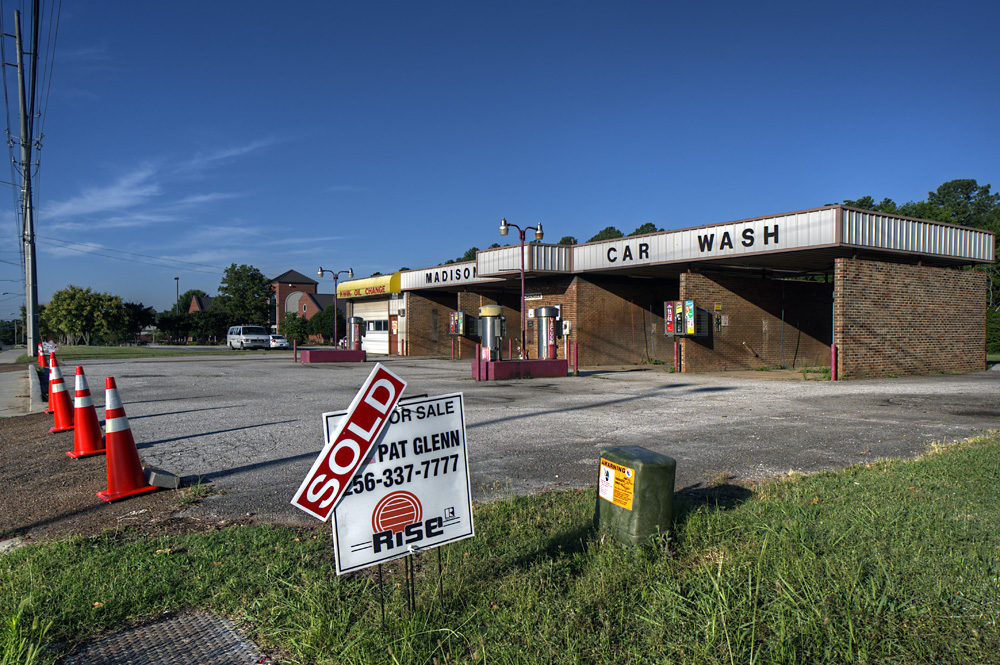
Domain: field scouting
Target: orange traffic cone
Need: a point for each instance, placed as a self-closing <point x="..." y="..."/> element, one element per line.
<point x="87" y="439"/>
<point x="125" y="475"/>
<point x="41" y="358"/>
<point x="59" y="399"/>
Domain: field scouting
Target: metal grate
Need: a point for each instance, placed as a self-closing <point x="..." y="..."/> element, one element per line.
<point x="205" y="639"/>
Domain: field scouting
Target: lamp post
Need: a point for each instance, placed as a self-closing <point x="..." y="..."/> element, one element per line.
<point x="336" y="275"/>
<point x="177" y="296"/>
<point x="538" y="236"/>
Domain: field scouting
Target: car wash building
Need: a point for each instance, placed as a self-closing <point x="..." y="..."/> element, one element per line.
<point x="875" y="294"/>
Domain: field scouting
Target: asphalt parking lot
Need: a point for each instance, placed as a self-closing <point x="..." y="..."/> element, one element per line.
<point x="252" y="425"/>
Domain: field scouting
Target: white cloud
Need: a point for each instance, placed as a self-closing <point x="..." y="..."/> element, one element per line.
<point x="199" y="199"/>
<point x="124" y="221"/>
<point x="130" y="190"/>
<point x="205" y="159"/>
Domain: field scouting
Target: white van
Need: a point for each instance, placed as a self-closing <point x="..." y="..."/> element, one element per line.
<point x="248" y="337"/>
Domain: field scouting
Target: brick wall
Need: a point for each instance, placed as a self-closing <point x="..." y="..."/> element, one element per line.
<point x="427" y="323"/>
<point x="281" y="291"/>
<point x="510" y="299"/>
<point x="620" y="321"/>
<point x="559" y="292"/>
<point x="769" y="323"/>
<point x="896" y="320"/>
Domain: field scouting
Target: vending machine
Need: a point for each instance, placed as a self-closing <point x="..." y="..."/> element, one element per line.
<point x="462" y="324"/>
<point x="683" y="318"/>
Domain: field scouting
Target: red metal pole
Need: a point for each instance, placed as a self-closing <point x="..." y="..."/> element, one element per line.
<point x="576" y="358"/>
<point x="524" y="315"/>
<point x="295" y="351"/>
<point x="335" y="310"/>
<point x="677" y="355"/>
<point x="833" y="362"/>
<point x="452" y="348"/>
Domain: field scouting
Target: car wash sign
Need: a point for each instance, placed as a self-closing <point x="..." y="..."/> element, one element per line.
<point x="350" y="444"/>
<point x="413" y="492"/>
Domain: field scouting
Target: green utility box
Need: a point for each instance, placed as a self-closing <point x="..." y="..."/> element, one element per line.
<point x="635" y="493"/>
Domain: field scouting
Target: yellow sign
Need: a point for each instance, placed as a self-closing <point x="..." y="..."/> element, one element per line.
<point x="369" y="286"/>
<point x="616" y="484"/>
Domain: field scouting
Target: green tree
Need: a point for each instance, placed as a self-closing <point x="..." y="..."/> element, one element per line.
<point x="294" y="327"/>
<point x="244" y="294"/>
<point x="82" y="314"/>
<point x="609" y="233"/>
<point x="322" y="324"/>
<point x="567" y="240"/>
<point x="8" y="328"/>
<point x="134" y="317"/>
<point x="967" y="203"/>
<point x="176" y="326"/>
<point x="648" y="227"/>
<point x="185" y="300"/>
<point x="470" y="255"/>
<point x="868" y="203"/>
<point x="205" y="325"/>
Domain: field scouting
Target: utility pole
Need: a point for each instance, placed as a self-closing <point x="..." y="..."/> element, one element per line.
<point x="28" y="237"/>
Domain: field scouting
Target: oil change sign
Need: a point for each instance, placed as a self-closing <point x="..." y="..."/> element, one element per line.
<point x="616" y="484"/>
<point x="412" y="493"/>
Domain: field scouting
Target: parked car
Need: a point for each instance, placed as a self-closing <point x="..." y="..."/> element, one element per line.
<point x="248" y="337"/>
<point x="279" y="342"/>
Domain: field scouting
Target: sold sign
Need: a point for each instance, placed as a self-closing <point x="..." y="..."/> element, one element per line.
<point x="350" y="443"/>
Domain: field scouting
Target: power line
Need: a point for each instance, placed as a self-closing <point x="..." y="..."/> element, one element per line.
<point x="48" y="241"/>
<point x="119" y="251"/>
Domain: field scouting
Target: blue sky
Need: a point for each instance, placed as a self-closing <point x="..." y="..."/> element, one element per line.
<point x="381" y="135"/>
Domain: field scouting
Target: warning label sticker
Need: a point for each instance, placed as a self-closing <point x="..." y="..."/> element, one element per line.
<point x="616" y="484"/>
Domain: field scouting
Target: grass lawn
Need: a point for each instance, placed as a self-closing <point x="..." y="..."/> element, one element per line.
<point x="889" y="562"/>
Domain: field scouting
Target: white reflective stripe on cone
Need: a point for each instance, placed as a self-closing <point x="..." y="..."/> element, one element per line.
<point x="116" y="425"/>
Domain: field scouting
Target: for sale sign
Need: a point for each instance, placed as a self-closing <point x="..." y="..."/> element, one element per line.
<point x="413" y="493"/>
<point x="349" y="445"/>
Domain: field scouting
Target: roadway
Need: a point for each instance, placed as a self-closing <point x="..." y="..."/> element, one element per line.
<point x="251" y="425"/>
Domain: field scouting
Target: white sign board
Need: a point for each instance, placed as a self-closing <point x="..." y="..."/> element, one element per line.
<point x="413" y="492"/>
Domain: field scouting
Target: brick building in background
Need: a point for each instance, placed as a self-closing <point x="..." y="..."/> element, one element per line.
<point x="885" y="295"/>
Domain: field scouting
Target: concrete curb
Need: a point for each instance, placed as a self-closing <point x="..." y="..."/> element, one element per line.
<point x="35" y="402"/>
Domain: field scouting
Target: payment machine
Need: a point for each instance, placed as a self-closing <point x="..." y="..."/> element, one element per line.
<point x="462" y="324"/>
<point x="683" y="318"/>
<point x="548" y="331"/>
<point x="492" y="328"/>
<point x="355" y="331"/>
